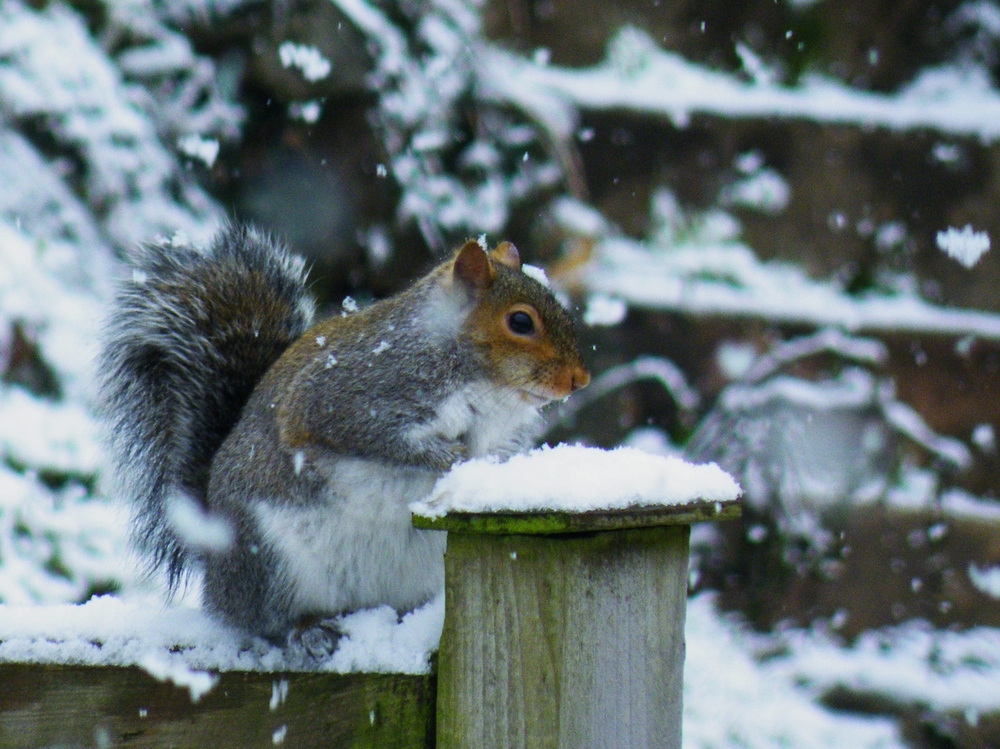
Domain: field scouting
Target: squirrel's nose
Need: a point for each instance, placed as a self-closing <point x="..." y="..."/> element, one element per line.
<point x="581" y="378"/>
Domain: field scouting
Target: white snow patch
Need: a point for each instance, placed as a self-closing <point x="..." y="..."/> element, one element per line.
<point x="195" y="526"/>
<point x="279" y="693"/>
<point x="912" y="663"/>
<point x="111" y="631"/>
<point x="764" y="190"/>
<point x="574" y="478"/>
<point x="732" y="701"/>
<point x="984" y="437"/>
<point x="604" y="310"/>
<point x="639" y="76"/>
<point x="986" y="580"/>
<point x="308" y="59"/>
<point x="55" y="544"/>
<point x="206" y="149"/>
<point x="576" y="216"/>
<point x="376" y="641"/>
<point x="538" y="274"/>
<point x="946" y="153"/>
<point x="964" y="245"/>
<point x="307" y="111"/>
<point x="959" y="504"/>
<point x="45" y="434"/>
<point x="166" y="667"/>
<point x="724" y="277"/>
<point x="734" y="358"/>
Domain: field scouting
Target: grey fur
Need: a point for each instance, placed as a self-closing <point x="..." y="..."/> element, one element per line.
<point x="179" y="360"/>
<point x="310" y="443"/>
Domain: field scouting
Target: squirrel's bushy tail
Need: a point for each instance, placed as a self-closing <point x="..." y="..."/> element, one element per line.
<point x="190" y="335"/>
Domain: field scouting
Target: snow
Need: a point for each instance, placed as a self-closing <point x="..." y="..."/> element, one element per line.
<point x="604" y="311"/>
<point x="164" y="667"/>
<point x="984" y="437"/>
<point x="176" y="641"/>
<point x="727" y="279"/>
<point x="640" y="76"/>
<point x="734" y="358"/>
<point x="575" y="478"/>
<point x="199" y="529"/>
<point x="765" y="191"/>
<point x="965" y="245"/>
<point x="206" y="149"/>
<point x="307" y="111"/>
<point x="307" y="59"/>
<point x="912" y="663"/>
<point x="730" y="700"/>
<point x="62" y="436"/>
<point x="43" y="288"/>
<point x="986" y="580"/>
<point x="55" y="72"/>
<point x="538" y="274"/>
<point x="420" y="78"/>
<point x="124" y="105"/>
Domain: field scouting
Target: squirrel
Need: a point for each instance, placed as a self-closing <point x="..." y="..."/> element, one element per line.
<point x="310" y="440"/>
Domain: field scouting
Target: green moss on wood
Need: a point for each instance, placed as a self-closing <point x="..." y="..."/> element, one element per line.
<point x="44" y="705"/>
<point x="543" y="523"/>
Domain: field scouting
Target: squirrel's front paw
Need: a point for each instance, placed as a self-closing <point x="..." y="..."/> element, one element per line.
<point x="444" y="453"/>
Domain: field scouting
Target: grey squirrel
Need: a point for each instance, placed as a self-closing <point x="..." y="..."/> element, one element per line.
<point x="310" y="441"/>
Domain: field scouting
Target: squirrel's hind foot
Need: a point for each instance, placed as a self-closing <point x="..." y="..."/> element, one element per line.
<point x="313" y="641"/>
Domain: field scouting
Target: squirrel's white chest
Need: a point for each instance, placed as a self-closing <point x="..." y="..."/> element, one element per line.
<point x="355" y="547"/>
<point x="487" y="419"/>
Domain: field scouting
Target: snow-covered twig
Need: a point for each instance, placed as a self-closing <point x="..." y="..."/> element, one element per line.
<point x="829" y="340"/>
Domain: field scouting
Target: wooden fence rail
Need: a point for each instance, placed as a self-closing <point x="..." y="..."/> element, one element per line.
<point x="561" y="631"/>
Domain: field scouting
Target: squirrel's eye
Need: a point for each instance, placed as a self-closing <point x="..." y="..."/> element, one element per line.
<point x="520" y="323"/>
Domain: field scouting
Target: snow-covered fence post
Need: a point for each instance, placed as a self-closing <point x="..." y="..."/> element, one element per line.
<point x="565" y="592"/>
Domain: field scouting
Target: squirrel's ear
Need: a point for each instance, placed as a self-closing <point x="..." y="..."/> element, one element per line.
<point x="507" y="254"/>
<point x="472" y="266"/>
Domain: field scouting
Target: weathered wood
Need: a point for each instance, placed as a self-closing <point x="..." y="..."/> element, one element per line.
<point x="545" y="522"/>
<point x="571" y="641"/>
<point x="44" y="705"/>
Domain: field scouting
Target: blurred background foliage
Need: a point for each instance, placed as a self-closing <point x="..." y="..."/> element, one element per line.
<point x="374" y="137"/>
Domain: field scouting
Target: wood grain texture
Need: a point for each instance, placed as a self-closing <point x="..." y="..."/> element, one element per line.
<point x="45" y="706"/>
<point x="564" y="642"/>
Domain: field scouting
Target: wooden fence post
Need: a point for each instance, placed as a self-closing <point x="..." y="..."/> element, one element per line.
<point x="565" y="629"/>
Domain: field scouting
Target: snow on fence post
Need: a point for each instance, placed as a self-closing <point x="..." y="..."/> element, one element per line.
<point x="565" y="593"/>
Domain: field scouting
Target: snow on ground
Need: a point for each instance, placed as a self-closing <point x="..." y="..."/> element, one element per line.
<point x="910" y="664"/>
<point x="731" y="701"/>
<point x="574" y="478"/>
